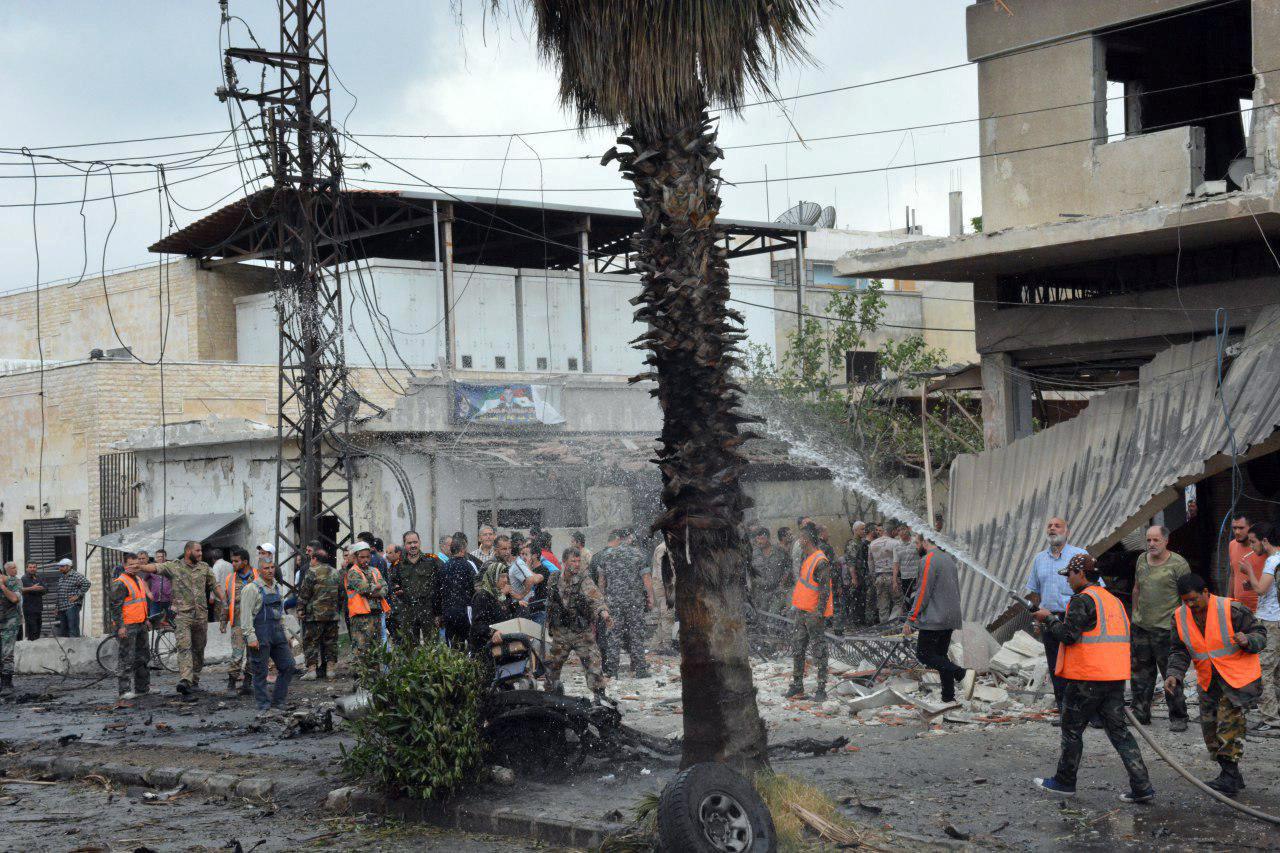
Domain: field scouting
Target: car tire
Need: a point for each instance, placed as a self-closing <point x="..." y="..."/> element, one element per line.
<point x="709" y="808"/>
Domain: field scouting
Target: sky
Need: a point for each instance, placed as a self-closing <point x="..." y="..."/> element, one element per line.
<point x="81" y="72"/>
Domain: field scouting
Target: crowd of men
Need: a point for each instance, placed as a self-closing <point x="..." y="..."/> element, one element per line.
<point x="1096" y="646"/>
<point x="592" y="605"/>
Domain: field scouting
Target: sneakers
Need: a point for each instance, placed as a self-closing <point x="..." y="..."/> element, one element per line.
<point x="1138" y="797"/>
<point x="1177" y="724"/>
<point x="310" y="676"/>
<point x="1053" y="786"/>
<point x="125" y="697"/>
<point x="793" y="691"/>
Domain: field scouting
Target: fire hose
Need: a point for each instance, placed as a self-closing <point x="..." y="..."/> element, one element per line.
<point x="1186" y="774"/>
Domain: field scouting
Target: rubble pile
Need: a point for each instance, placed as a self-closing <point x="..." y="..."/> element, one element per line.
<point x="1013" y="689"/>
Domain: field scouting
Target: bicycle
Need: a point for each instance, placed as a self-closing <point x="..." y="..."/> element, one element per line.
<point x="164" y="649"/>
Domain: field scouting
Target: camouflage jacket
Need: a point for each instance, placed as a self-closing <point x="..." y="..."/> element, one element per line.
<point x="320" y="594"/>
<point x="9" y="609"/>
<point x="574" y="602"/>
<point x="367" y="582"/>
<point x="192" y="585"/>
<point x="623" y="569"/>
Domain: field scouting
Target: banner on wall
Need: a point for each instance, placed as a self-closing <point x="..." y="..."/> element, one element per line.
<point x="505" y="405"/>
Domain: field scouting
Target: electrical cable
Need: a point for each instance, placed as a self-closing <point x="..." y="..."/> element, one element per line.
<point x="35" y="239"/>
<point x="113" y="197"/>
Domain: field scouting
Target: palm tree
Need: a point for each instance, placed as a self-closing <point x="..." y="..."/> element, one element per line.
<point x="655" y="67"/>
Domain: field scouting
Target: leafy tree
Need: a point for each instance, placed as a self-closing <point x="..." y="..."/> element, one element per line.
<point x="872" y="417"/>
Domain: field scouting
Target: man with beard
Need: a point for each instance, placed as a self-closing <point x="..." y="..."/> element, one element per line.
<point x="417" y="575"/>
<point x="1048" y="589"/>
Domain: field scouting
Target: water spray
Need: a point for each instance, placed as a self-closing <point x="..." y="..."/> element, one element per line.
<point x="849" y="471"/>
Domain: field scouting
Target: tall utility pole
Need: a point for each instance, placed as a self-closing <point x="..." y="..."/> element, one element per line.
<point x="306" y="168"/>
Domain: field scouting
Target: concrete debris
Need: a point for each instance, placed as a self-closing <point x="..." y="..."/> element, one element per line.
<point x="983" y="693"/>
<point x="1023" y="657"/>
<point x="879" y="699"/>
<point x="504" y="776"/>
<point x="976" y="647"/>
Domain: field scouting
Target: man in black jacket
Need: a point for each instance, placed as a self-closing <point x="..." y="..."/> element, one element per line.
<point x="454" y="592"/>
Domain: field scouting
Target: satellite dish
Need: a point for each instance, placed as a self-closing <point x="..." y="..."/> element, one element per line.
<point x="804" y="213"/>
<point x="1239" y="170"/>
<point x="828" y="217"/>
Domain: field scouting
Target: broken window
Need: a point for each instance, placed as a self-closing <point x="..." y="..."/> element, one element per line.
<point x="861" y="366"/>
<point x="1181" y="70"/>
<point x="511" y="519"/>
<point x="500" y="362"/>
<point x="466" y="361"/>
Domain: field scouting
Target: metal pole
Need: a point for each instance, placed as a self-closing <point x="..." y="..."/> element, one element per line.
<point x="924" y="440"/>
<point x="450" y="339"/>
<point x="800" y="280"/>
<point x="435" y="231"/>
<point x="584" y="295"/>
<point x="493" y="502"/>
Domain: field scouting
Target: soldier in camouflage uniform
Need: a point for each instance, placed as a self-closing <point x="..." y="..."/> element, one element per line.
<point x="365" y="593"/>
<point x="574" y="604"/>
<point x="127" y="606"/>
<point x="624" y="577"/>
<point x="1105" y="651"/>
<point x="415" y="579"/>
<point x="1222" y="706"/>
<point x="194" y="586"/>
<point x="320" y="599"/>
<point x="811" y="605"/>
<point x="10" y="619"/>
<point x="242" y="574"/>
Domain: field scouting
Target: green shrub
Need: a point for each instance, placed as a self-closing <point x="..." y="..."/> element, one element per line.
<point x="421" y="736"/>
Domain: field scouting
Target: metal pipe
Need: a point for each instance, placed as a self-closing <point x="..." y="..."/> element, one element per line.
<point x="584" y="295"/>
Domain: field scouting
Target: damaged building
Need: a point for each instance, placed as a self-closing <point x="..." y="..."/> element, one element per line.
<point x="1130" y="157"/>
<point x="145" y="411"/>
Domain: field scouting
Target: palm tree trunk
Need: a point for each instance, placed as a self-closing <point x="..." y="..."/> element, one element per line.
<point x="692" y="340"/>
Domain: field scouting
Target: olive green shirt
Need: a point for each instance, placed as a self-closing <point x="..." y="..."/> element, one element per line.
<point x="1155" y="591"/>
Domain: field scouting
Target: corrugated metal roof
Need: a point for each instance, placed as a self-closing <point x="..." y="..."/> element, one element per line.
<point x="1116" y="463"/>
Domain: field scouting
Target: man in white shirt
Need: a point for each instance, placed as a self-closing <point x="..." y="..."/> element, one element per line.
<point x="880" y="555"/>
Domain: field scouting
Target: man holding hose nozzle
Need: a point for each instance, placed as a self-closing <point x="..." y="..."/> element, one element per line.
<point x="1094" y="663"/>
<point x="1222" y="638"/>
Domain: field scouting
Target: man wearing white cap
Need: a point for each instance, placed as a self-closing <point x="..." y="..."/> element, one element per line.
<point x="366" y="600"/>
<point x="71" y="589"/>
<point x="266" y="554"/>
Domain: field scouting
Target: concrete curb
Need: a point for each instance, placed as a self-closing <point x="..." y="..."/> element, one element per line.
<point x="219" y="784"/>
<point x="541" y="826"/>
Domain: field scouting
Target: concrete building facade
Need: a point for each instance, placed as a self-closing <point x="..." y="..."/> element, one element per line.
<point x="1130" y="212"/>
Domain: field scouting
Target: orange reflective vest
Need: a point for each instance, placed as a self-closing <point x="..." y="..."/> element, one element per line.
<point x="229" y="592"/>
<point x="1102" y="653"/>
<point x="805" y="594"/>
<point x="357" y="604"/>
<point x="1215" y="647"/>
<point x="134" y="610"/>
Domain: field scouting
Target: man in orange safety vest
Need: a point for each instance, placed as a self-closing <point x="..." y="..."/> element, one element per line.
<point x="811" y="606"/>
<point x="1222" y="638"/>
<point x="1094" y="661"/>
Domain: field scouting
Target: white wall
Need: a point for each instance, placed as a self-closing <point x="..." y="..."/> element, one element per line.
<point x="496" y="309"/>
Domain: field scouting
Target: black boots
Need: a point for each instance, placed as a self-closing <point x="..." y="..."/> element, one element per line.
<point x="795" y="690"/>
<point x="6" y="682"/>
<point x="322" y="672"/>
<point x="1229" y="781"/>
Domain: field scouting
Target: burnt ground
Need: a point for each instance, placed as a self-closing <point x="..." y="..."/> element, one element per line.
<point x="899" y="772"/>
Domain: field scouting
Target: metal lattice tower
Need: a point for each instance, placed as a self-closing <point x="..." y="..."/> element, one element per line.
<point x="313" y="478"/>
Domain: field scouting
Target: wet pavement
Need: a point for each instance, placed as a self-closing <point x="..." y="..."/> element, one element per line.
<point x="89" y="816"/>
<point x="936" y="782"/>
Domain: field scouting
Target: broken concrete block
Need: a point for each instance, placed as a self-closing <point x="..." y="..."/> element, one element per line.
<point x="903" y="685"/>
<point x="849" y="688"/>
<point x="986" y="693"/>
<point x="880" y="699"/>
<point x="1025" y="644"/>
<point x="977" y="646"/>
